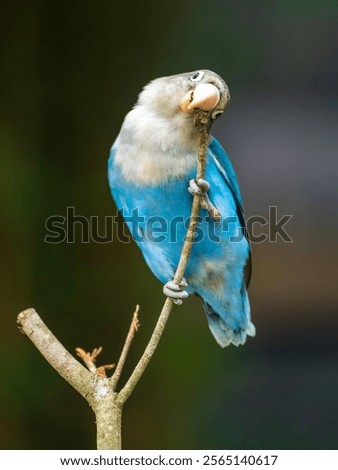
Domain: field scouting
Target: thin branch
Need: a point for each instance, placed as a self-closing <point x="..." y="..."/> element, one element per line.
<point x="57" y="356"/>
<point x="134" y="326"/>
<point x="125" y="393"/>
<point x="200" y="122"/>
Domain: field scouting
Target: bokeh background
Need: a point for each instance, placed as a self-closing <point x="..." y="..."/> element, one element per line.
<point x="70" y="71"/>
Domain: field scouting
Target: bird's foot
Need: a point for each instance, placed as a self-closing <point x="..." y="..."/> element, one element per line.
<point x="198" y="187"/>
<point x="176" y="291"/>
<point x="201" y="187"/>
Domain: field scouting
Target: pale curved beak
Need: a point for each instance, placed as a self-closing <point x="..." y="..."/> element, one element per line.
<point x="205" y="96"/>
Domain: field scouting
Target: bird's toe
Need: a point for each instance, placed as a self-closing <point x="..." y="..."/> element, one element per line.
<point x="198" y="187"/>
<point x="203" y="184"/>
<point x="176" y="291"/>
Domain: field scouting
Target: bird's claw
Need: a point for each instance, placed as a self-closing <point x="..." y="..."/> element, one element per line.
<point x="201" y="187"/>
<point x="198" y="187"/>
<point x="176" y="291"/>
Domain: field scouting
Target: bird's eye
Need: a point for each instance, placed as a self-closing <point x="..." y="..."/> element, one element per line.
<point x="197" y="76"/>
<point x="216" y="114"/>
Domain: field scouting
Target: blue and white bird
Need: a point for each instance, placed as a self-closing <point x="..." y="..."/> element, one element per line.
<point x="152" y="171"/>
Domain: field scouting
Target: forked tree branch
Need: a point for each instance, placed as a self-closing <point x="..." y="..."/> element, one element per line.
<point x="92" y="384"/>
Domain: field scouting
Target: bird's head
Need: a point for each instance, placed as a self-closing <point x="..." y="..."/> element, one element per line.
<point x="182" y="94"/>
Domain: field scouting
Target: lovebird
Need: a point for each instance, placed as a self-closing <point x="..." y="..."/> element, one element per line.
<point x="152" y="177"/>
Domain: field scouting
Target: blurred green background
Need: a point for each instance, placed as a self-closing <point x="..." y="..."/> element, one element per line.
<point x="70" y="71"/>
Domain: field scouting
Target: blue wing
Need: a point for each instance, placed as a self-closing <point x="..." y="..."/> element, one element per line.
<point x="147" y="201"/>
<point x="226" y="169"/>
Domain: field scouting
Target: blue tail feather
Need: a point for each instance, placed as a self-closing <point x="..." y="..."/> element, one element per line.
<point x="223" y="332"/>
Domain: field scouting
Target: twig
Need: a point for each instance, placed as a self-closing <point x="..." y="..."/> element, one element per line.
<point x="89" y="358"/>
<point x="134" y="326"/>
<point x="101" y="370"/>
<point x="186" y="250"/>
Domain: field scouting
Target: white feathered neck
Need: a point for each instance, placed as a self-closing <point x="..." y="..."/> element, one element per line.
<point x="151" y="150"/>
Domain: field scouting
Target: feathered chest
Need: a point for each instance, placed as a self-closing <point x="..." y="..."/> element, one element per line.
<point x="151" y="151"/>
